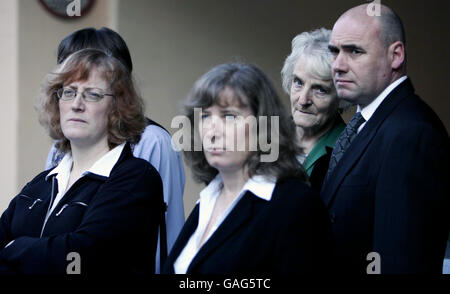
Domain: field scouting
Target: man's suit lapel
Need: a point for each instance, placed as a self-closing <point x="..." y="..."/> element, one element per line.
<point x="359" y="145"/>
<point x="237" y="217"/>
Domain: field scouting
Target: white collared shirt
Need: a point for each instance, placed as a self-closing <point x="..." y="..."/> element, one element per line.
<point x="370" y="109"/>
<point x="101" y="167"/>
<point x="260" y="186"/>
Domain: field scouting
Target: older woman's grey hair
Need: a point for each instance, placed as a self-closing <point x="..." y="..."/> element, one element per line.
<point x="313" y="47"/>
<point x="251" y="88"/>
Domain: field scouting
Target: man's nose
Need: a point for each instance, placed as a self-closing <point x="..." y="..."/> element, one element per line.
<point x="339" y="63"/>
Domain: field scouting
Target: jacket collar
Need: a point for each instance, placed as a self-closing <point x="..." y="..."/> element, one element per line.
<point x="369" y="110"/>
<point x="359" y="145"/>
<point x="101" y="168"/>
<point x="256" y="190"/>
<point x="260" y="186"/>
<point x="240" y="215"/>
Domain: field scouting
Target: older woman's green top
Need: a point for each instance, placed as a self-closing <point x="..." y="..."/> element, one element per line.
<point x="327" y="140"/>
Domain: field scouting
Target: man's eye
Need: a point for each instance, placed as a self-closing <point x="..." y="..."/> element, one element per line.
<point x="334" y="51"/>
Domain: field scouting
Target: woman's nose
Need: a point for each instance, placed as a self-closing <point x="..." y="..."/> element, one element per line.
<point x="304" y="97"/>
<point x="213" y="129"/>
<point x="216" y="127"/>
<point x="78" y="103"/>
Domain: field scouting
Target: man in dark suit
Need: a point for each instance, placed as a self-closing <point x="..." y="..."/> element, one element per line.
<point x="386" y="188"/>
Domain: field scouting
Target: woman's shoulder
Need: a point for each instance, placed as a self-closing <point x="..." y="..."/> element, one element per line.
<point x="133" y="167"/>
<point x="136" y="166"/>
<point x="292" y="185"/>
<point x="294" y="203"/>
<point x="294" y="192"/>
<point x="42" y="176"/>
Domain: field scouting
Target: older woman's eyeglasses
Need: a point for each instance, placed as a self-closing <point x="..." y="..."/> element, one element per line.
<point x="89" y="95"/>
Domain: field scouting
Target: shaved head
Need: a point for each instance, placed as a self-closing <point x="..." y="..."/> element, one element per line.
<point x="368" y="53"/>
<point x="389" y="23"/>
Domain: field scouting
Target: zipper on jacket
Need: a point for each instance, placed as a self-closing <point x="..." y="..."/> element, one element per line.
<point x="49" y="206"/>
<point x="35" y="201"/>
<point x="61" y="210"/>
<point x="68" y="204"/>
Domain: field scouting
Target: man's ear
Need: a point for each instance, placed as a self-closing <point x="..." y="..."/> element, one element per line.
<point x="396" y="52"/>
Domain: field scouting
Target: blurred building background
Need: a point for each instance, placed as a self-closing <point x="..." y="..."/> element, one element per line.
<point x="172" y="43"/>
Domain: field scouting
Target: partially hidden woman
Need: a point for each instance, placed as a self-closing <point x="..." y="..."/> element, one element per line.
<point x="97" y="212"/>
<point x="315" y="107"/>
<point x="255" y="215"/>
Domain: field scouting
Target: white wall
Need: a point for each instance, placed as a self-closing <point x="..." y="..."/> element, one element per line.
<point x="8" y="102"/>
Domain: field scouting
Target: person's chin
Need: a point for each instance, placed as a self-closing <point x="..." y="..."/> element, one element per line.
<point x="216" y="163"/>
<point x="76" y="136"/>
<point x="347" y="95"/>
<point x="304" y="122"/>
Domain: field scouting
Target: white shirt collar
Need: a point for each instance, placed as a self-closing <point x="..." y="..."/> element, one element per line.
<point x="261" y="186"/>
<point x="369" y="110"/>
<point x="101" y="167"/>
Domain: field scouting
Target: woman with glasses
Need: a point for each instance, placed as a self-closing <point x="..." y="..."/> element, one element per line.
<point x="155" y="145"/>
<point x="98" y="211"/>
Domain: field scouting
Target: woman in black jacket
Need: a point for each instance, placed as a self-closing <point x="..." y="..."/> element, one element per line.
<point x="257" y="214"/>
<point x="98" y="211"/>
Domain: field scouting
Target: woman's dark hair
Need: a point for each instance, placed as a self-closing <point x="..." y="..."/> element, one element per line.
<point x="103" y="39"/>
<point x="126" y="119"/>
<point x="251" y="88"/>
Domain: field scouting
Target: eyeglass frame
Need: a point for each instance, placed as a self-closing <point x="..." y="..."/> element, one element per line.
<point x="59" y="94"/>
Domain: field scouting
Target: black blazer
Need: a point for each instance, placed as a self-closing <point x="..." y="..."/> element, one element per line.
<point x="111" y="222"/>
<point x="320" y="170"/>
<point x="389" y="192"/>
<point x="288" y="234"/>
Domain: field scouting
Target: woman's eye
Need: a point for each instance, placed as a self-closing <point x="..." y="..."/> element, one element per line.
<point x="94" y="94"/>
<point x="319" y="91"/>
<point x="297" y="82"/>
<point x="69" y="92"/>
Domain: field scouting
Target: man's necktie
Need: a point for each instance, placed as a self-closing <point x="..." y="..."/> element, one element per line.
<point x="344" y="141"/>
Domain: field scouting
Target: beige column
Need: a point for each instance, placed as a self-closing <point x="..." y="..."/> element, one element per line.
<point x="8" y="101"/>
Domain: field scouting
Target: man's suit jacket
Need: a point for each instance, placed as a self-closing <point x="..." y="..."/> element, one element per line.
<point x="389" y="192"/>
<point x="288" y="234"/>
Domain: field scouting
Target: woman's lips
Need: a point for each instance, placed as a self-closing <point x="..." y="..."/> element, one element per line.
<point x="77" y="120"/>
<point x="304" y="112"/>
<point x="215" y="151"/>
